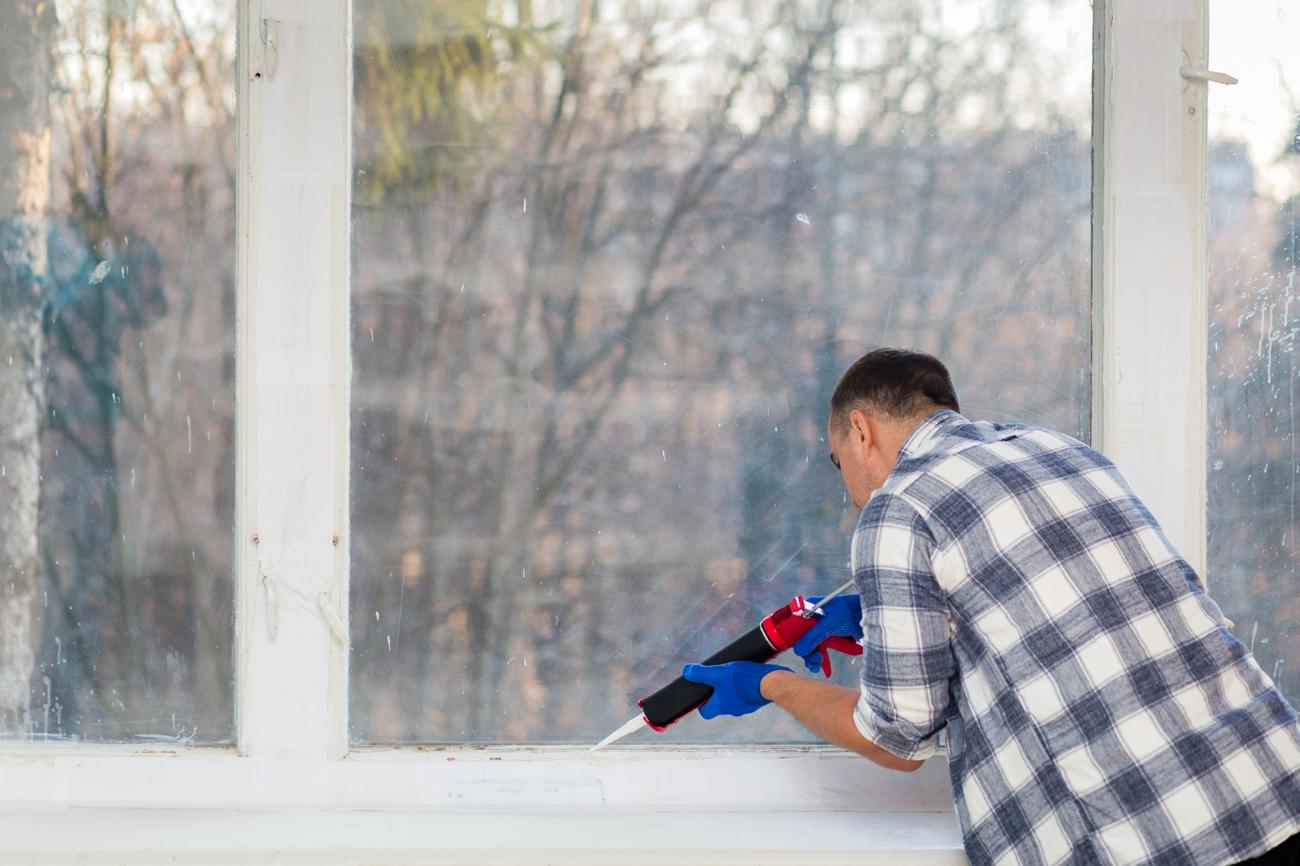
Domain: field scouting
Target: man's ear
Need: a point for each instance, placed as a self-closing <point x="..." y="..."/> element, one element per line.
<point x="860" y="429"/>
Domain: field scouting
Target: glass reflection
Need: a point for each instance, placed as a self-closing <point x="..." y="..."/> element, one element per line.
<point x="610" y="260"/>
<point x="117" y="341"/>
<point x="1254" y="250"/>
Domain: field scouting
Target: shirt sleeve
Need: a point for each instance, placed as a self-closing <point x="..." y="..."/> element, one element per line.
<point x="907" y="641"/>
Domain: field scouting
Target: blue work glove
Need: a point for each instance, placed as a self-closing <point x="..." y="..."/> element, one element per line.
<point x="841" y="617"/>
<point x="735" y="686"/>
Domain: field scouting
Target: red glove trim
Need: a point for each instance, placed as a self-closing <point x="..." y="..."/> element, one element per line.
<point x="839" y="643"/>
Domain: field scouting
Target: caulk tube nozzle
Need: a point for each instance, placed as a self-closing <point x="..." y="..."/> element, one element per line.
<point x="633" y="724"/>
<point x="681" y="696"/>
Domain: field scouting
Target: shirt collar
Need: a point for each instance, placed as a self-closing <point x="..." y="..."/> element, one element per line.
<point x="919" y="441"/>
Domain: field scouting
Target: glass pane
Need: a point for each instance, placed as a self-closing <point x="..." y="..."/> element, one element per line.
<point x="116" y="370"/>
<point x="610" y="260"/>
<point x="1254" y="250"/>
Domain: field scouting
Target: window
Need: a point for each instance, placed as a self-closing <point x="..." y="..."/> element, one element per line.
<point x="117" y="389"/>
<point x="851" y="215"/>
<point x="1254" y="252"/>
<point x="609" y="262"/>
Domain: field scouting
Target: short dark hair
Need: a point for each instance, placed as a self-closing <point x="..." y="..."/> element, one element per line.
<point x="896" y="383"/>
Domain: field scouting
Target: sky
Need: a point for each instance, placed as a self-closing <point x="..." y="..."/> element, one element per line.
<point x="1253" y="40"/>
<point x="1258" y="42"/>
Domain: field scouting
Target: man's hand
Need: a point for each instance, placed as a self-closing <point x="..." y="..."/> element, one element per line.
<point x="735" y="686"/>
<point x="840" y="618"/>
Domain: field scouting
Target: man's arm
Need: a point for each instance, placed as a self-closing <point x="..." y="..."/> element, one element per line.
<point x="827" y="711"/>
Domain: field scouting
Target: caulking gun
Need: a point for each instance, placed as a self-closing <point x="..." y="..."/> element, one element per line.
<point x="776" y="633"/>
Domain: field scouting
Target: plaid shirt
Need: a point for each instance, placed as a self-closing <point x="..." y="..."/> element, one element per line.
<point x="1098" y="710"/>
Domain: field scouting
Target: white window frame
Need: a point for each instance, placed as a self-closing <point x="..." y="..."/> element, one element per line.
<point x="292" y="532"/>
<point x="1150" y="289"/>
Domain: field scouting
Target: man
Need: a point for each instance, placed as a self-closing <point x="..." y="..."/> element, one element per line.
<point x="1014" y="590"/>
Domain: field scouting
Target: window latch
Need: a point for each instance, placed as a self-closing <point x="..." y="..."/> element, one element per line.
<point x="272" y="604"/>
<point x="1190" y="74"/>
<point x="337" y="628"/>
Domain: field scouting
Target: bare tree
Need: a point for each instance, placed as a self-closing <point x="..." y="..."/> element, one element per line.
<point x="592" y="357"/>
<point x="137" y="319"/>
<point x="26" y="30"/>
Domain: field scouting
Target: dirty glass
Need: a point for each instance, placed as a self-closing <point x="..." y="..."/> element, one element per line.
<point x="116" y="370"/>
<point x="609" y="261"/>
<point x="1254" y="250"/>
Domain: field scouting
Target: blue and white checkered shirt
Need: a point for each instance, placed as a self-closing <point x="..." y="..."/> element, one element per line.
<point x="1099" y="711"/>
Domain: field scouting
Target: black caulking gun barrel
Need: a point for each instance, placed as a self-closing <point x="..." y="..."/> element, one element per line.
<point x="777" y="632"/>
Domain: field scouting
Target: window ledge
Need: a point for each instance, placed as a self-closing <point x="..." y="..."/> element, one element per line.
<point x="144" y="837"/>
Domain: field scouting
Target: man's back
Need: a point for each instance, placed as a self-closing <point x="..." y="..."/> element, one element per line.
<point x="1098" y="709"/>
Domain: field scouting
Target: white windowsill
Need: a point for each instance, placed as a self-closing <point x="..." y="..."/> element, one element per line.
<point x="529" y="780"/>
<point x="321" y="838"/>
<point x="105" y="805"/>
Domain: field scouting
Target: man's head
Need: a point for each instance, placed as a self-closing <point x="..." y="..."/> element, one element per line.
<point x="879" y="401"/>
